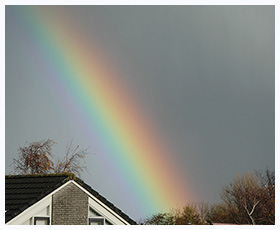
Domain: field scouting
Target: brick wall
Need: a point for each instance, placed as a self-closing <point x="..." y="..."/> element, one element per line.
<point x="70" y="206"/>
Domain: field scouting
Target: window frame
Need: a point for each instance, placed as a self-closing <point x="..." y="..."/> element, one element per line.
<point x="41" y="218"/>
<point x="97" y="219"/>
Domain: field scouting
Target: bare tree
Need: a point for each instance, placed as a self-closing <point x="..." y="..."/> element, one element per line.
<point x="250" y="199"/>
<point x="71" y="162"/>
<point x="34" y="158"/>
<point x="224" y="213"/>
<point x="37" y="158"/>
<point x="204" y="210"/>
<point x="243" y="192"/>
<point x="267" y="196"/>
<point x="188" y="215"/>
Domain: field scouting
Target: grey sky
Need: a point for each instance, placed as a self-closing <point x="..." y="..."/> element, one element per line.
<point x="205" y="73"/>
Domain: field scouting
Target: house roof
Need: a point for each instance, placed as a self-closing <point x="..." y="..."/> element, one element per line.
<point x="22" y="191"/>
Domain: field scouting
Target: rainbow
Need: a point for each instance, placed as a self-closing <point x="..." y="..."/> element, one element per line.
<point x="92" y="90"/>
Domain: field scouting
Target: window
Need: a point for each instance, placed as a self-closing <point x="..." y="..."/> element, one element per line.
<point x="96" y="218"/>
<point x="97" y="221"/>
<point x="41" y="220"/>
<point x="93" y="213"/>
<point x="43" y="217"/>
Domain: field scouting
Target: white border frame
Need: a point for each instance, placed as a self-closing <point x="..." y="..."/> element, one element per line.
<point x="145" y="2"/>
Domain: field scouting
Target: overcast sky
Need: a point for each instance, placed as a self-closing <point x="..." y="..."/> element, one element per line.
<point x="205" y="74"/>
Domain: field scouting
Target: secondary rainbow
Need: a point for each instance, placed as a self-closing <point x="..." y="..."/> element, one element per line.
<point x="101" y="102"/>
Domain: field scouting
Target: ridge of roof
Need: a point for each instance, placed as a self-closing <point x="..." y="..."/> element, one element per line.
<point x="53" y="182"/>
<point x="69" y="175"/>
